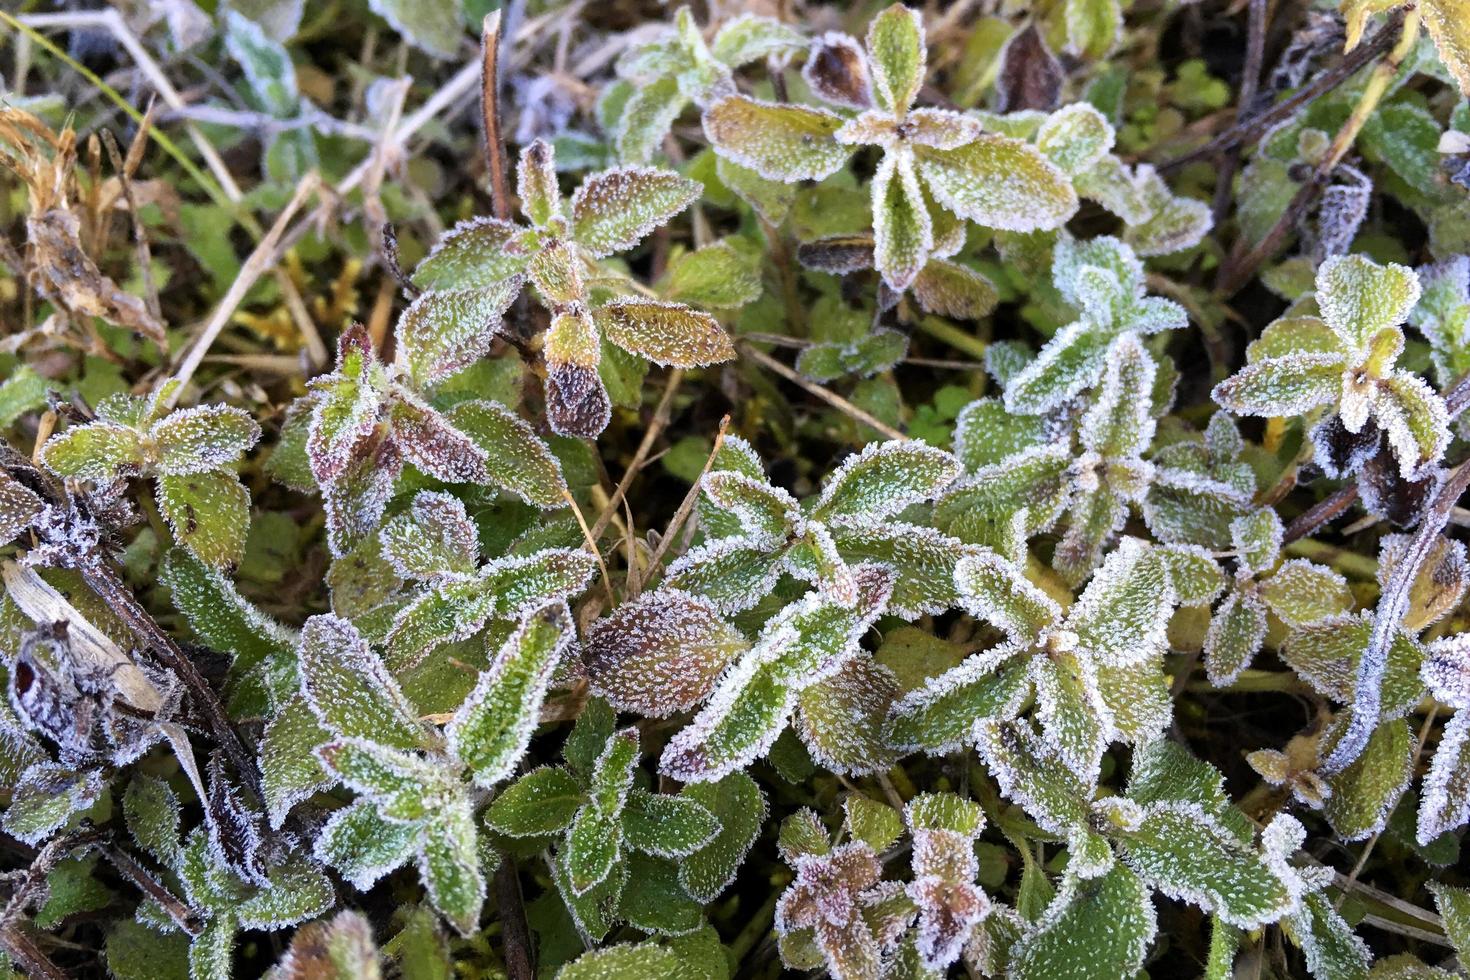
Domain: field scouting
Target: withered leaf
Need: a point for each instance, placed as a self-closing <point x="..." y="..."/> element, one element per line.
<point x="1030" y="75"/>
<point x="75" y="282"/>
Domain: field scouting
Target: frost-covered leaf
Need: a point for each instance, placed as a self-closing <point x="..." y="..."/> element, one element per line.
<point x="46" y="797"/>
<point x="1075" y="137"/>
<point x="405" y="786"/>
<point x="954" y="290"/>
<point x="152" y="813"/>
<point x="475" y="254"/>
<point x="998" y="182"/>
<point x="1122" y="614"/>
<point x="761" y="509"/>
<point x="543" y="801"/>
<point x="449" y="863"/>
<point x="1286" y="386"/>
<point x="1301" y="592"/>
<point x="491" y="730"/>
<point x="746" y="712"/>
<point x="348" y="688"/>
<point x="667" y="826"/>
<point x="740" y="807"/>
<point x="434" y="537"/>
<point x="897" y="55"/>
<point x="194" y="440"/>
<point x="1073" y="360"/>
<point x="289" y="769"/>
<point x="1236" y="633"/>
<point x="19" y="506"/>
<point x="515" y="457"/>
<point x="1187" y="854"/>
<point x="661" y="653"/>
<point x="734" y="574"/>
<point x="622" y="962"/>
<point x="1098" y="927"/>
<point x="445" y="331"/>
<point x="787" y="143"/>
<point x="99" y="451"/>
<point x="1029" y="773"/>
<point x="362" y="846"/>
<point x="341" y="949"/>
<point x="577" y="403"/>
<point x="1327" y="942"/>
<point x="1454" y="909"/>
<point x="837" y="71"/>
<point x="1358" y="297"/>
<point x="669" y="334"/>
<point x="986" y="433"/>
<point x="1365" y="793"/>
<point x="209" y="514"/>
<point x="1257" y="539"/>
<point x="903" y="234"/>
<point x="1415" y="420"/>
<point x="1119" y="423"/>
<point x="296" y="890"/>
<point x="841" y="719"/>
<point x="429" y="442"/>
<point x="613" y="210"/>
<point x="1195" y="576"/>
<point x="944" y="715"/>
<point x="536" y="183"/>
<point x="1069" y="707"/>
<point x="883" y="479"/>
<point x="993" y="589"/>
<point x="1326" y="655"/>
<point x="1445" y="796"/>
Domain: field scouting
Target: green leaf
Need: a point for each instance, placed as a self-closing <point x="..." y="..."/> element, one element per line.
<point x="211" y="954"/>
<point x="209" y="514"/>
<point x="1122" y="614"/>
<point x="449" y="862"/>
<point x="543" y="801"/>
<point x="646" y="118"/>
<point x="23" y="391"/>
<point x="1365" y="793"/>
<point x="740" y="807"/>
<point x="46" y="798"/>
<point x="71" y="889"/>
<point x="653" y="900"/>
<point x="779" y="142"/>
<point x="136" y="952"/>
<point x="491" y="731"/>
<point x="945" y="714"/>
<point x="1073" y="360"/>
<point x="761" y="509"/>
<point x="998" y="182"/>
<point x="747" y="38"/>
<point x="195" y="440"/>
<point x="1358" y="297"/>
<point x="613" y="210"/>
<point x="99" y="451"/>
<point x="1075" y="137"/>
<point x="536" y="183"/>
<point x="625" y="962"/>
<point x="593" y="846"/>
<point x="667" y="826"/>
<point x="953" y="290"/>
<point x="437" y="28"/>
<point x="661" y="653"/>
<point x="445" y="331"/>
<point x="474" y="254"/>
<point x="1326" y="655"/>
<point x="19" y="507"/>
<point x="1415" y="420"/>
<point x="296" y="891"/>
<point x="670" y="334"/>
<point x="364" y="847"/>
<point x="1193" y="572"/>
<point x="289" y="769"/>
<point x="350" y="691"/>
<point x="1099" y="927"/>
<point x="898" y="56"/>
<point x="1234" y="637"/>
<point x="993" y="589"/>
<point x="1283" y="386"/>
<point x="714" y="276"/>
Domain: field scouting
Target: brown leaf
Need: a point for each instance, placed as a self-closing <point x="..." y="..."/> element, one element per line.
<point x="74" y="281"/>
<point x="837" y="71"/>
<point x="1030" y="75"/>
<point x="838" y="254"/>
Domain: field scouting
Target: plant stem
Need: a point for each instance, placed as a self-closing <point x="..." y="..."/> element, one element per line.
<point x="943" y="330"/>
<point x="490" y="108"/>
<point x="836" y="401"/>
<point x="515" y="935"/>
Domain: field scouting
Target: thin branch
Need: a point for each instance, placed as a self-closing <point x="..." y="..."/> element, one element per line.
<point x="640" y="456"/>
<point x="686" y="505"/>
<point x="1388" y="619"/>
<point x="1247" y="131"/>
<point x="514" y="933"/>
<point x="836" y="401"/>
<point x="260" y="261"/>
<point x="490" y="108"/>
<point x="1255" y="50"/>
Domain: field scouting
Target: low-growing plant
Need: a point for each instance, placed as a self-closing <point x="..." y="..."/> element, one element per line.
<point x="916" y="493"/>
